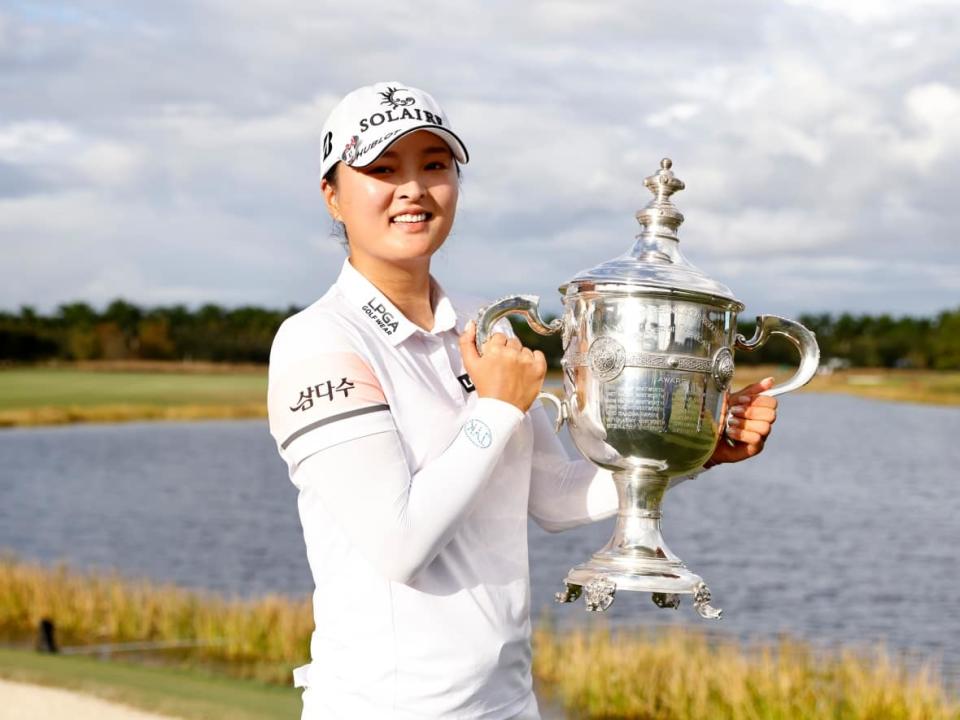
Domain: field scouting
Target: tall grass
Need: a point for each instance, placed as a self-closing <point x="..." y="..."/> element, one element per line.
<point x="262" y="638"/>
<point x="683" y="675"/>
<point x="594" y="673"/>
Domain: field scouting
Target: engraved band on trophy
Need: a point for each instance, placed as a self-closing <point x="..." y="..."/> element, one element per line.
<point x="648" y="343"/>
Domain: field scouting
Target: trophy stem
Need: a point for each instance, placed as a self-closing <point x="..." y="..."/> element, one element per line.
<point x="637" y="532"/>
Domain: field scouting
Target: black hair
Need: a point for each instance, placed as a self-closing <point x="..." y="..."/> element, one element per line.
<point x="338" y="230"/>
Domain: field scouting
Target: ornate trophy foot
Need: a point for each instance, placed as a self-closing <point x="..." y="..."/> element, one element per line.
<point x="568" y="594"/>
<point x="666" y="600"/>
<point x="599" y="594"/>
<point x="701" y="603"/>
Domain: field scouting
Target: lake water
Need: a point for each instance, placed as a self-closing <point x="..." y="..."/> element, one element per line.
<point x="845" y="530"/>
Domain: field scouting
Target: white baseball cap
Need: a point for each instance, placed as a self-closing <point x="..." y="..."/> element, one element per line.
<point x="370" y="119"/>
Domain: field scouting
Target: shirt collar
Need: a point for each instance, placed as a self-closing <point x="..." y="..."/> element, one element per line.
<point x="444" y="314"/>
<point x="382" y="315"/>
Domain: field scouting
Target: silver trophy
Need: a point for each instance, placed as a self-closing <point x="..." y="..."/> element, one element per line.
<point x="648" y="343"/>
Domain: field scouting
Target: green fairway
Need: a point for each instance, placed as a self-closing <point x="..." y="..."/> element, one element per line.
<point x="53" y="396"/>
<point x="179" y="693"/>
<point x="37" y="387"/>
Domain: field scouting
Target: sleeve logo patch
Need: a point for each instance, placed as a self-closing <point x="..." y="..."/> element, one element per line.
<point x="478" y="433"/>
<point x="467" y="383"/>
<point x="324" y="389"/>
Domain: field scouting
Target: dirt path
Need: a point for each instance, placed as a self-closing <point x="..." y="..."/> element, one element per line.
<point x="22" y="701"/>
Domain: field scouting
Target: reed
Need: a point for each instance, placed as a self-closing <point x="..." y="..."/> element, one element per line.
<point x="262" y="639"/>
<point x="682" y="675"/>
<point x="594" y="673"/>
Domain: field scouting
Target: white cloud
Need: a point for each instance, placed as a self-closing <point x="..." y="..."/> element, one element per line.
<point x="673" y="114"/>
<point x="761" y="233"/>
<point x="933" y="110"/>
<point x="35" y="142"/>
<point x="575" y="16"/>
<point x="55" y="145"/>
<point x="865" y="12"/>
<point x="165" y="149"/>
<point x="64" y="218"/>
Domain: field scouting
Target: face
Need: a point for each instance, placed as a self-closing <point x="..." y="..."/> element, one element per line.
<point x="399" y="209"/>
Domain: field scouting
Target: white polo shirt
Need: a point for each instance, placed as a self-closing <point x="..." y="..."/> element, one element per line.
<point x="451" y="638"/>
<point x="414" y="496"/>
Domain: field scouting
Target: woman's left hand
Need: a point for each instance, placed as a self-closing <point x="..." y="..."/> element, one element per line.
<point x="751" y="417"/>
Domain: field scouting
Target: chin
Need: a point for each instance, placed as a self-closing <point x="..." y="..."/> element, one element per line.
<point x="403" y="256"/>
<point x="413" y="247"/>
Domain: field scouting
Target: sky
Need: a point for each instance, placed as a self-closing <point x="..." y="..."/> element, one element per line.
<point x="167" y="153"/>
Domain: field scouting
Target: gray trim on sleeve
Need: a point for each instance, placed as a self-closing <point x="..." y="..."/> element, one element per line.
<point x="333" y="418"/>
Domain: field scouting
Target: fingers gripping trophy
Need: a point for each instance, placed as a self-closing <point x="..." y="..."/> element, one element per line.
<point x="648" y="343"/>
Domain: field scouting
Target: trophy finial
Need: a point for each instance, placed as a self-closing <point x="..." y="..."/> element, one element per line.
<point x="664" y="183"/>
<point x="661" y="212"/>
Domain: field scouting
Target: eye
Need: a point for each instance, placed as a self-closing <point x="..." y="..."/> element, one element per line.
<point x="437" y="165"/>
<point x="379" y="170"/>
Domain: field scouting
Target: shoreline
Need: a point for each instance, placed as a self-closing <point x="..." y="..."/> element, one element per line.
<point x="53" y="416"/>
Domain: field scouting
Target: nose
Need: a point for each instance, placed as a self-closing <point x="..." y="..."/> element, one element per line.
<point x="410" y="189"/>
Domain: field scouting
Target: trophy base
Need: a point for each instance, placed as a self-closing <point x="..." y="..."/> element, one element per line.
<point x="600" y="578"/>
<point x="636" y="558"/>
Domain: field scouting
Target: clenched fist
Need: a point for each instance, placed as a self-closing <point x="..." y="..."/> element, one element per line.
<point x="506" y="371"/>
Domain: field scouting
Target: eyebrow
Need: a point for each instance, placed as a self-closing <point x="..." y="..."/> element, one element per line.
<point x="437" y="150"/>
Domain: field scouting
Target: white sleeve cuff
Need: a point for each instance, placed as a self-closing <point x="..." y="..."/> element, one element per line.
<point x="497" y="411"/>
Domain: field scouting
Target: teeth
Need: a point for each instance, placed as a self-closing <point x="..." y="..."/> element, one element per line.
<point x="410" y="218"/>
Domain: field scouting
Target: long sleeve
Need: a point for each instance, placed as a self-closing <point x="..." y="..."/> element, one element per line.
<point x="398" y="522"/>
<point x="567" y="492"/>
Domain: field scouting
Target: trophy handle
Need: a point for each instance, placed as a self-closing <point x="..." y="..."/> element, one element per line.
<point x="527" y="306"/>
<point x="804" y="339"/>
<point x="562" y="412"/>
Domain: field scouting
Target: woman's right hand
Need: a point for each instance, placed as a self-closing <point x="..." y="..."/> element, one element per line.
<point x="506" y="371"/>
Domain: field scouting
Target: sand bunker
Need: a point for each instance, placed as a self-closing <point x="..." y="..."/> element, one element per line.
<point x="22" y="701"/>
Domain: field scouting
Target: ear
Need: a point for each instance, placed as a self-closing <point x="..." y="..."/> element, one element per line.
<point x="330" y="198"/>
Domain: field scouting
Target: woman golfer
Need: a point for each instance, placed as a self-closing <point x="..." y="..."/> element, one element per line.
<point x="417" y="459"/>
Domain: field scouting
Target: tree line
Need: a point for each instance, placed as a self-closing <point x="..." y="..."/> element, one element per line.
<point x="124" y="331"/>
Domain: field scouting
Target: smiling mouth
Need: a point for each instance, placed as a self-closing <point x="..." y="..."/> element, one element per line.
<point x="412" y="217"/>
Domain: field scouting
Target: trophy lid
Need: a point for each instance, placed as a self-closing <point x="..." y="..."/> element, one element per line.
<point x="654" y="262"/>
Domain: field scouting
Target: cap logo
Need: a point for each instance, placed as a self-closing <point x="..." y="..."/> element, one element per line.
<point x="391" y="116"/>
<point x="390" y="98"/>
<point x="327" y="145"/>
<point x="351" y="151"/>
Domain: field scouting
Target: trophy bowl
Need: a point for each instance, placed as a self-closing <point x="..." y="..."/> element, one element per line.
<point x="648" y="343"/>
